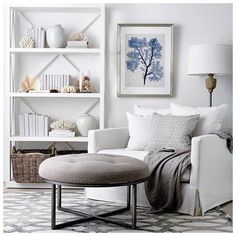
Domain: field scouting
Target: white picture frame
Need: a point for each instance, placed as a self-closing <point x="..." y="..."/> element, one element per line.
<point x="145" y="53"/>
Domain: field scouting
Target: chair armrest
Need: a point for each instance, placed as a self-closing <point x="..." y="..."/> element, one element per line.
<point x="112" y="138"/>
<point x="211" y="171"/>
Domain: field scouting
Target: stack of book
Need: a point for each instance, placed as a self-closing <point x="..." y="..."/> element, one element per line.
<point x="38" y="35"/>
<point x="31" y="124"/>
<point x="61" y="133"/>
<point x="54" y="81"/>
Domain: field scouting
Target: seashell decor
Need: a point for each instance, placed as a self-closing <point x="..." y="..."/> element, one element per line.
<point x="29" y="83"/>
<point x="26" y="42"/>
<point x="77" y="36"/>
<point x="63" y="125"/>
<point x="68" y="89"/>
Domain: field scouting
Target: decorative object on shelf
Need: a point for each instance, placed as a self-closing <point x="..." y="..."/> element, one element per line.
<point x="32" y="124"/>
<point x="77" y="36"/>
<point x="145" y="59"/>
<point x="85" y="123"/>
<point x="68" y="89"/>
<point x="38" y="35"/>
<point x="26" y="42"/>
<point x="53" y="91"/>
<point x="210" y="60"/>
<point x="56" y="37"/>
<point x="85" y="85"/>
<point x="77" y="39"/>
<point x="29" y="83"/>
<point x="54" y="81"/>
<point x="63" y="125"/>
<point x="61" y="133"/>
<point x="62" y="128"/>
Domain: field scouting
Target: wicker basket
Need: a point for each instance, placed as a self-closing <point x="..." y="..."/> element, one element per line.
<point x="25" y="164"/>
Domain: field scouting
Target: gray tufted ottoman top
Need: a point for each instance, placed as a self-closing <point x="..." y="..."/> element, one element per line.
<point x="93" y="169"/>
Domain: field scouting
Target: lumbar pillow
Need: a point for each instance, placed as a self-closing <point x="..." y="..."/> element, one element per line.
<point x="172" y="132"/>
<point x="210" y="117"/>
<point x="147" y="111"/>
<point x="139" y="131"/>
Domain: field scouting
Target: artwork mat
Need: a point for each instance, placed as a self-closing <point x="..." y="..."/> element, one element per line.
<point x="167" y="30"/>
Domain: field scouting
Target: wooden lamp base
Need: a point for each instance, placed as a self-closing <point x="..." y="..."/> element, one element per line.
<point x="210" y="85"/>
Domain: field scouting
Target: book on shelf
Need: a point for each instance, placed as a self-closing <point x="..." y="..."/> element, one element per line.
<point x="26" y="122"/>
<point x="38" y="35"/>
<point x="21" y="125"/>
<point x="32" y="124"/>
<point x="54" y="81"/>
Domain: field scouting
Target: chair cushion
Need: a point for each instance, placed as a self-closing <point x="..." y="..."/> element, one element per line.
<point x="93" y="169"/>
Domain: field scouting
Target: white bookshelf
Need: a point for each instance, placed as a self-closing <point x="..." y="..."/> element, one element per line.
<point x="17" y="58"/>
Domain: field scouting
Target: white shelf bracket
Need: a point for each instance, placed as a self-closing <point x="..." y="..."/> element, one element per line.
<point x="27" y="105"/>
<point x="70" y="62"/>
<point x="53" y="143"/>
<point x="91" y="107"/>
<point x="85" y="28"/>
<point x="25" y="18"/>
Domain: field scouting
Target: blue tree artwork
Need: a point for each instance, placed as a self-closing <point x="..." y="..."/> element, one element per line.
<point x="145" y="55"/>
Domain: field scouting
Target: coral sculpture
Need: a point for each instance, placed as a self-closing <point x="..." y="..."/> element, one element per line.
<point x="63" y="125"/>
<point x="85" y="84"/>
<point x="29" y="83"/>
<point x="26" y="42"/>
<point x="68" y="89"/>
<point x="77" y="36"/>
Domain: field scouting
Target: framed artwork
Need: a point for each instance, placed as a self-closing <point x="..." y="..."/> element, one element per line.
<point x="145" y="59"/>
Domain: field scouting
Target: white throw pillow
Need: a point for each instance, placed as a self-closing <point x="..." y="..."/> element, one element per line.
<point x="148" y="111"/>
<point x="210" y="117"/>
<point x="139" y="131"/>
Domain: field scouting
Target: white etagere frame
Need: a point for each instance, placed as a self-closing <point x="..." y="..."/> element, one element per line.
<point x="11" y="92"/>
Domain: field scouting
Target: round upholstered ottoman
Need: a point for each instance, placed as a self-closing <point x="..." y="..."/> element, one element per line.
<point x="93" y="170"/>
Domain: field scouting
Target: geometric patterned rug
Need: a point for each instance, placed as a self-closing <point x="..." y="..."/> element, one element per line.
<point x="29" y="211"/>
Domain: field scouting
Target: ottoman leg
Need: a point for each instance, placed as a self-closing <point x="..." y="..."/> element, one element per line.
<point x="134" y="200"/>
<point x="53" y="207"/>
<point x="58" y="196"/>
<point x="128" y="197"/>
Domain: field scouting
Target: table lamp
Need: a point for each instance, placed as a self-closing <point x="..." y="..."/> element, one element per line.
<point x="210" y="60"/>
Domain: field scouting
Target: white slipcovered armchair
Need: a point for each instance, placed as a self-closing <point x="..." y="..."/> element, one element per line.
<point x="210" y="179"/>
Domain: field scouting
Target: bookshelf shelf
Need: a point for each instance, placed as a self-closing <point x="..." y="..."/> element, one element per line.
<point x="55" y="50"/>
<point x="48" y="139"/>
<point x="55" y="95"/>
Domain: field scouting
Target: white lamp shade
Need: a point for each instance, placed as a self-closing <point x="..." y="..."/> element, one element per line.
<point x="210" y="59"/>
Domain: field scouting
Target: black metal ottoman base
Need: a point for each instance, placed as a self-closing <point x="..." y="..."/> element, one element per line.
<point x="90" y="217"/>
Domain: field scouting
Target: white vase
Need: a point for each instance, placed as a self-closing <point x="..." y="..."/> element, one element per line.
<point x="56" y="37"/>
<point x="85" y="123"/>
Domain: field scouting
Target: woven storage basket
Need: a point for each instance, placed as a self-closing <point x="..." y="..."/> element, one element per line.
<point x="25" y="164"/>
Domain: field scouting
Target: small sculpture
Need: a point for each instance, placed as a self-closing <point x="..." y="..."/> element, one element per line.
<point x="68" y="89"/>
<point x="26" y="42"/>
<point x="29" y="83"/>
<point x="85" y="84"/>
<point x="77" y="36"/>
<point x="63" y="125"/>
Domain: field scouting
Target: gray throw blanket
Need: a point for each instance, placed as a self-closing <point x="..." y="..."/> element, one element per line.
<point x="166" y="167"/>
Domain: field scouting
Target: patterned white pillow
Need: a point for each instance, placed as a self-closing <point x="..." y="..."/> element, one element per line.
<point x="210" y="117"/>
<point x="173" y="132"/>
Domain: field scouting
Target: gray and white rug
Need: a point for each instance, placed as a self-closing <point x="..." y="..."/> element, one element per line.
<point x="29" y="211"/>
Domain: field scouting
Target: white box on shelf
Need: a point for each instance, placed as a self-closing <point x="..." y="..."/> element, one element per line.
<point x="41" y="126"/>
<point x="46" y="124"/>
<point x="26" y="126"/>
<point x="77" y="44"/>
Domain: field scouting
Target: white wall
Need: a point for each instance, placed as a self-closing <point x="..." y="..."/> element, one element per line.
<point x="193" y="24"/>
